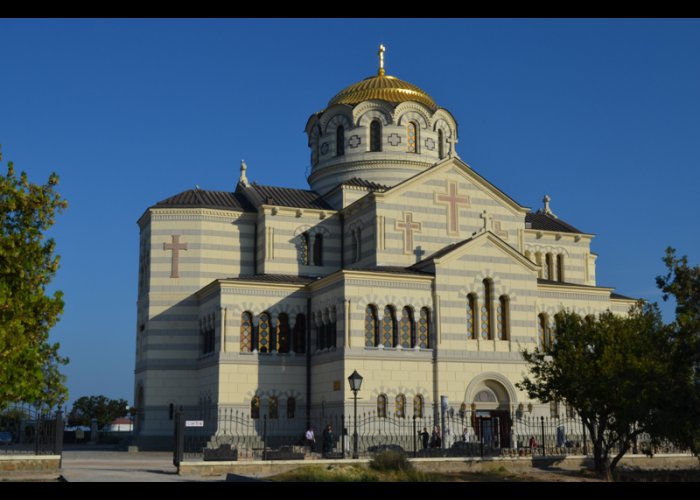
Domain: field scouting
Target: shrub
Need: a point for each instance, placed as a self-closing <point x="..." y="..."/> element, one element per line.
<point x="391" y="461"/>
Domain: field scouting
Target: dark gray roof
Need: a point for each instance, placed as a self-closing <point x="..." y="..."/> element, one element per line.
<point x="613" y="295"/>
<point x="391" y="270"/>
<point x="545" y="222"/>
<point x="355" y="181"/>
<point x="444" y="251"/>
<point x="208" y="199"/>
<point x="291" y="197"/>
<point x="275" y="278"/>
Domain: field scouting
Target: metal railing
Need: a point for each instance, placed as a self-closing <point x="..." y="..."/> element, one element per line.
<point x="24" y="430"/>
<point x="460" y="434"/>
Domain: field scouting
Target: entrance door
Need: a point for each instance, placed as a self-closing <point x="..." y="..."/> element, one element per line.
<point x="494" y="427"/>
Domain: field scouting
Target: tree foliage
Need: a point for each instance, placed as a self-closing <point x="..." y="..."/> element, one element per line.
<point x="29" y="363"/>
<point x="682" y="282"/>
<point x="101" y="408"/>
<point x="615" y="371"/>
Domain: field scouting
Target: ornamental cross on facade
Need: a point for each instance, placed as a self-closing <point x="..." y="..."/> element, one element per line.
<point x="408" y="226"/>
<point x="453" y="201"/>
<point x="175" y="246"/>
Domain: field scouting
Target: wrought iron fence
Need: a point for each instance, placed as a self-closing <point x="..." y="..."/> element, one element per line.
<point x="463" y="434"/>
<point x="28" y="431"/>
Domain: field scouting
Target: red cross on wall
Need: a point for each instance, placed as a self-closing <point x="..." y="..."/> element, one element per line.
<point x="453" y="201"/>
<point x="175" y="246"/>
<point x="408" y="227"/>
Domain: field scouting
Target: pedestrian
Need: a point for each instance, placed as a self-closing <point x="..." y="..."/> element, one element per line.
<point x="533" y="444"/>
<point x="328" y="440"/>
<point x="436" y="439"/>
<point x="310" y="438"/>
<point x="465" y="435"/>
<point x="425" y="438"/>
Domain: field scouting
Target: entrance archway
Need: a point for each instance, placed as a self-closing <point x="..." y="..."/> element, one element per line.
<point x="490" y="401"/>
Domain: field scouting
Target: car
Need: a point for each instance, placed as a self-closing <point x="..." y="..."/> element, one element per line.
<point x="5" y="437"/>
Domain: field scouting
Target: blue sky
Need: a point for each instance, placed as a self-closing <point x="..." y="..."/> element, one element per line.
<point x="603" y="115"/>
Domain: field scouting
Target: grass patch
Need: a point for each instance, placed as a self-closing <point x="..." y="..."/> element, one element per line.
<point x="325" y="474"/>
<point x="353" y="474"/>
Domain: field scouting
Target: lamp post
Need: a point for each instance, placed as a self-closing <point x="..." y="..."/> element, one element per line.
<point x="355" y="381"/>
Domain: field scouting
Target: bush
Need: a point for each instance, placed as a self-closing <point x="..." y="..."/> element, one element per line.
<point x="391" y="461"/>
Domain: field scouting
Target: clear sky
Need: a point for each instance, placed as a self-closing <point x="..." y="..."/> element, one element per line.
<point x="602" y="115"/>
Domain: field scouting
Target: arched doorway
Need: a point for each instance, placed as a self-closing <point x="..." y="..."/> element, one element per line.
<point x="490" y="403"/>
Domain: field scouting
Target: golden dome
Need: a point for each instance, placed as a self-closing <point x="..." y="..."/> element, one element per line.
<point x="385" y="88"/>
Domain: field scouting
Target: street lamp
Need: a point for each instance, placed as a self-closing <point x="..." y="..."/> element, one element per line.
<point x="355" y="381"/>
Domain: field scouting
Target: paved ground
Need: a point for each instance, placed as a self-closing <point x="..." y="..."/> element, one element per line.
<point x="121" y="466"/>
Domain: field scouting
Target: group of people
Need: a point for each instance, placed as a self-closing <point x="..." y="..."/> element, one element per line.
<point x="327" y="440"/>
<point x="434" y="440"/>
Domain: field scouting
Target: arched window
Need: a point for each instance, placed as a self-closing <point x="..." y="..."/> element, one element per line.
<point x="353" y="249"/>
<point x="371" y="326"/>
<point x="291" y="407"/>
<point x="486" y="332"/>
<point x="300" y="334"/>
<point x="441" y="144"/>
<point x="381" y="406"/>
<point x="140" y="408"/>
<point x="538" y="261"/>
<point x="424" y="329"/>
<point x="246" y="332"/>
<point x="255" y="407"/>
<point x="407" y="329"/>
<point x="375" y="136"/>
<point x="304" y="249"/>
<point x="502" y="315"/>
<point x="331" y="330"/>
<point x="412" y="137"/>
<point x="321" y="322"/>
<point x="542" y="330"/>
<point x="554" y="409"/>
<point x="471" y="316"/>
<point x="400" y="406"/>
<point x="318" y="250"/>
<point x="264" y="333"/>
<point x="554" y="329"/>
<point x="560" y="267"/>
<point x="283" y="333"/>
<point x="273" y="407"/>
<point x="389" y="327"/>
<point x="418" y="406"/>
<point x="340" y="141"/>
<point x="550" y="267"/>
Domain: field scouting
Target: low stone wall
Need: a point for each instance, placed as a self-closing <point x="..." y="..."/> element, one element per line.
<point x="13" y="464"/>
<point x="259" y="468"/>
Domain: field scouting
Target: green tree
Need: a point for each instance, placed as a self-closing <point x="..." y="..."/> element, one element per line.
<point x="29" y="363"/>
<point x="682" y="282"/>
<point x="101" y="408"/>
<point x="615" y="371"/>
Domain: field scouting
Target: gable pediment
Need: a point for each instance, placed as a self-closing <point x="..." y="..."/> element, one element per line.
<point x="456" y="169"/>
<point x="472" y="246"/>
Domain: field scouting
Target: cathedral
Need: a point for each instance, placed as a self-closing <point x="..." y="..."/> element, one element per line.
<point x="400" y="262"/>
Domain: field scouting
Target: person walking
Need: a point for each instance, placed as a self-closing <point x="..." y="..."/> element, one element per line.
<point x="310" y="438"/>
<point x="425" y="438"/>
<point x="328" y="440"/>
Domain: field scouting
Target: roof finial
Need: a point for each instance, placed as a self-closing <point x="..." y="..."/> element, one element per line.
<point x="382" y="49"/>
<point x="547" y="210"/>
<point x="243" y="179"/>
